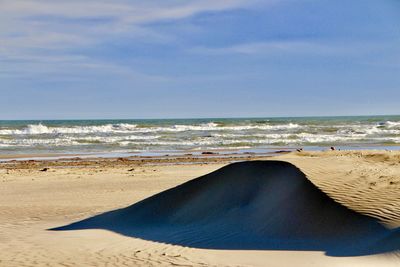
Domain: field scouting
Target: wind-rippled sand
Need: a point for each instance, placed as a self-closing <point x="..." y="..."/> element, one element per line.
<point x="32" y="201"/>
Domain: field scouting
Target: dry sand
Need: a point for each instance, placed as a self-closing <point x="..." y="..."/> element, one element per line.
<point x="33" y="201"/>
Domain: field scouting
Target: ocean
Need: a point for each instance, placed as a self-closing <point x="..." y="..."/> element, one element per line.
<point x="184" y="135"/>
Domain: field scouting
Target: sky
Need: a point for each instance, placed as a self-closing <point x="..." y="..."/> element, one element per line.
<point x="92" y="59"/>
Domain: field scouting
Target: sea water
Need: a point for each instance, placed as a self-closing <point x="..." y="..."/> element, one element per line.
<point x="116" y="136"/>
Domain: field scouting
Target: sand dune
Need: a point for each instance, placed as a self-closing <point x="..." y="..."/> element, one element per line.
<point x="269" y="205"/>
<point x="365" y="181"/>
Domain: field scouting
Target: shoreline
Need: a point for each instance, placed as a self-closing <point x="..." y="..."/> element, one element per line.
<point x="113" y="162"/>
<point x="179" y="153"/>
<point x="53" y="161"/>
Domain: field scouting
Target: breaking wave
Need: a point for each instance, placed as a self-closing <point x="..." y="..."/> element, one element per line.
<point x="192" y="134"/>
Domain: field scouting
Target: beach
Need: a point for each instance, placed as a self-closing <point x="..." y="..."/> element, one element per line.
<point x="199" y="133"/>
<point x="37" y="197"/>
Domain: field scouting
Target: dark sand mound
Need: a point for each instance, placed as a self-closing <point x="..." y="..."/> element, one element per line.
<point x="249" y="205"/>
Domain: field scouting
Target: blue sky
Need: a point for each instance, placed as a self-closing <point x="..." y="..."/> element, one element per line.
<point x="163" y="59"/>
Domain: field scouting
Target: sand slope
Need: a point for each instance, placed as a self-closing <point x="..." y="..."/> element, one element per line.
<point x="268" y="205"/>
<point x="365" y="181"/>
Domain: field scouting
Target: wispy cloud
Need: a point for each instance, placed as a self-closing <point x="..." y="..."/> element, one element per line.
<point x="47" y="23"/>
<point x="46" y="31"/>
<point x="134" y="11"/>
<point x="296" y="47"/>
<point x="258" y="48"/>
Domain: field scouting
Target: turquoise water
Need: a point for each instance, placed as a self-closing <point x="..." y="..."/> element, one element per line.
<point x="102" y="136"/>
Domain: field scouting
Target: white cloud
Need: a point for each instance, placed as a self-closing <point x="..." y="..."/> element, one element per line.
<point x="296" y="47"/>
<point x="61" y="23"/>
<point x="46" y="31"/>
<point x="271" y="47"/>
<point x="134" y="11"/>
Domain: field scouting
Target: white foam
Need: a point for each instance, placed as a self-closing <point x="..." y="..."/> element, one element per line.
<point x="37" y="129"/>
<point x="194" y="136"/>
<point x="38" y="142"/>
<point x="391" y="124"/>
<point x="115" y="139"/>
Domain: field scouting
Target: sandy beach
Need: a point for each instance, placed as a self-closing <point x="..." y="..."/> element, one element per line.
<point x="34" y="199"/>
<point x="199" y="133"/>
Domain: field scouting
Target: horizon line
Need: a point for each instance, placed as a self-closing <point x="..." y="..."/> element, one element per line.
<point x="206" y="118"/>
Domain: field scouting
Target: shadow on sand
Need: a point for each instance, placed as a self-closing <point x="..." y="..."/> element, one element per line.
<point x="263" y="205"/>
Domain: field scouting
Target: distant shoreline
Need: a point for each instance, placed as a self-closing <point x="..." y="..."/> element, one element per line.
<point x="39" y="161"/>
<point x="214" y="153"/>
